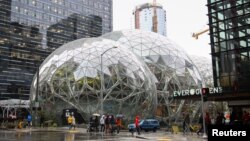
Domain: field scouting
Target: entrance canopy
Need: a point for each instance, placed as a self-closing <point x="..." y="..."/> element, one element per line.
<point x="15" y="103"/>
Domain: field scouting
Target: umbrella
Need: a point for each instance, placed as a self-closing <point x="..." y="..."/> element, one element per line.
<point x="119" y="116"/>
<point x="96" y="114"/>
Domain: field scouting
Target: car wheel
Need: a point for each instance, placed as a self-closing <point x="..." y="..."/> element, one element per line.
<point x="154" y="130"/>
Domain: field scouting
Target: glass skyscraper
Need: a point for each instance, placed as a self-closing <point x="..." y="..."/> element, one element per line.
<point x="31" y="29"/>
<point x="229" y="22"/>
<point x="144" y="15"/>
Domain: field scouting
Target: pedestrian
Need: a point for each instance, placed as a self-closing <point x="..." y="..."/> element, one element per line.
<point x="96" y="123"/>
<point x="137" y="126"/>
<point x="20" y="124"/>
<point x="118" y="124"/>
<point x="186" y="123"/>
<point x="220" y="119"/>
<point x="107" y="121"/>
<point x="42" y="121"/>
<point x="102" y="122"/>
<point x="112" y="124"/>
<point x="70" y="121"/>
<point x="29" y="119"/>
<point x="201" y="124"/>
<point x="91" y="124"/>
<point x="73" y="122"/>
<point x="246" y="118"/>
<point x="207" y="121"/>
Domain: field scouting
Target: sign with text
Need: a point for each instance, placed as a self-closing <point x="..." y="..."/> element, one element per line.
<point x="196" y="92"/>
<point x="229" y="132"/>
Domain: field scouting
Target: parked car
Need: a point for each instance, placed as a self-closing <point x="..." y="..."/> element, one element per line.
<point x="146" y="125"/>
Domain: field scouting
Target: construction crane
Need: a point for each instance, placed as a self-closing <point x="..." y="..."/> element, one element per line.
<point x="154" y="18"/>
<point x="197" y="34"/>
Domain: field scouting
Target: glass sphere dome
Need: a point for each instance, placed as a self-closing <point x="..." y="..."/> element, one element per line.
<point x="205" y="68"/>
<point x="172" y="67"/>
<point x="85" y="72"/>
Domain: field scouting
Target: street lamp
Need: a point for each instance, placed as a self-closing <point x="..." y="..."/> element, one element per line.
<point x="36" y="104"/>
<point x="203" y="115"/>
<point x="102" y="78"/>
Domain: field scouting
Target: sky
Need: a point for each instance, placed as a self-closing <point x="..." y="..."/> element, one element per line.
<point x="184" y="17"/>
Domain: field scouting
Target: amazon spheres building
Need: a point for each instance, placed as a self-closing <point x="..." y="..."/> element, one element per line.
<point x="128" y="73"/>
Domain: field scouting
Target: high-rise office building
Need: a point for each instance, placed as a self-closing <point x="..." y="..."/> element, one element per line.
<point x="31" y="29"/>
<point x="229" y="22"/>
<point x="151" y="17"/>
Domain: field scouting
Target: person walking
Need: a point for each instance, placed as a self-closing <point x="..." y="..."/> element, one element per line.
<point x="137" y="126"/>
<point x="112" y="124"/>
<point x="96" y="124"/>
<point x="29" y="119"/>
<point x="70" y="120"/>
<point x="102" y="122"/>
<point x="42" y="121"/>
<point x="107" y="122"/>
<point x="73" y="122"/>
<point x="207" y="121"/>
<point x="201" y="125"/>
<point x="220" y="119"/>
<point x="118" y="124"/>
<point x="186" y="123"/>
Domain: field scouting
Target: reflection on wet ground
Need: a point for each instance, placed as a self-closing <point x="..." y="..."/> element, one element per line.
<point x="82" y="135"/>
<point x="57" y="136"/>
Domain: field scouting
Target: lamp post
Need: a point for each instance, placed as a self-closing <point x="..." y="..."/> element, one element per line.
<point x="36" y="104"/>
<point x="102" y="77"/>
<point x="203" y="116"/>
<point x="36" y="96"/>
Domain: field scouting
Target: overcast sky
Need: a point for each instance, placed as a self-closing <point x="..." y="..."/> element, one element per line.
<point x="183" y="18"/>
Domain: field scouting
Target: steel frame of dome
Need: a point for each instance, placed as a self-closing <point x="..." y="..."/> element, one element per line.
<point x="71" y="77"/>
<point x="169" y="63"/>
<point x="205" y="69"/>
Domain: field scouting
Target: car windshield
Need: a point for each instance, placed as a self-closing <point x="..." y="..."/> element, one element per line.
<point x="154" y="122"/>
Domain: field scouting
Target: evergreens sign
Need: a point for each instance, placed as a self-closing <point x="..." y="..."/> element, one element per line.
<point x="194" y="92"/>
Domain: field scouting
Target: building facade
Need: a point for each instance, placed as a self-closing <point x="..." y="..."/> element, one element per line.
<point x="144" y="15"/>
<point x="229" y="22"/>
<point x="31" y="29"/>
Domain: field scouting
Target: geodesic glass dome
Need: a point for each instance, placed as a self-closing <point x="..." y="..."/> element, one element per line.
<point x="205" y="68"/>
<point x="167" y="61"/>
<point x="84" y="72"/>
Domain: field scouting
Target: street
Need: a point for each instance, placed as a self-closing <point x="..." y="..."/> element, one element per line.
<point x="62" y="134"/>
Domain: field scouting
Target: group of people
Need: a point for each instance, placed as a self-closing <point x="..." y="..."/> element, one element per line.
<point x="21" y="122"/>
<point x="187" y="127"/>
<point x="207" y="123"/>
<point x="107" y="123"/>
<point x="219" y="120"/>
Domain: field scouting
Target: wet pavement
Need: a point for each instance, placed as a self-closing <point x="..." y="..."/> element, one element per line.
<point x="62" y="134"/>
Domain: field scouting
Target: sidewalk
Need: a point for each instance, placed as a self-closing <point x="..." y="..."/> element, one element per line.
<point x="51" y="129"/>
